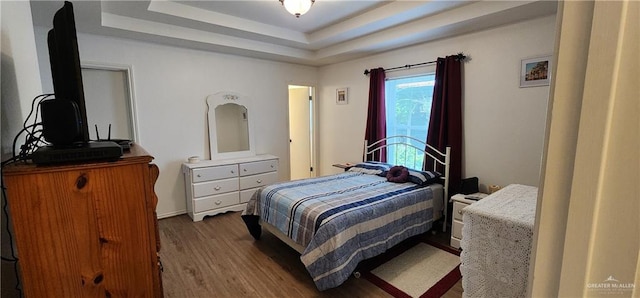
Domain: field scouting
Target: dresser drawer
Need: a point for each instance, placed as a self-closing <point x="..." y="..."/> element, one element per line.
<point x="455" y="242"/>
<point x="456" y="229"/>
<point x="252" y="168"/>
<point x="215" y="187"/>
<point x="214" y="202"/>
<point x="258" y="180"/>
<point x="214" y="173"/>
<point x="457" y="210"/>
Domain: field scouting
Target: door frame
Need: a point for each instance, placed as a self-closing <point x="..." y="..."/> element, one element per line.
<point x="314" y="127"/>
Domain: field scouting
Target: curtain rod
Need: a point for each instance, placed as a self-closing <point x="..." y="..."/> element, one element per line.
<point x="460" y="57"/>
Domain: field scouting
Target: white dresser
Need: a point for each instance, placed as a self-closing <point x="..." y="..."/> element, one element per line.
<point x="218" y="186"/>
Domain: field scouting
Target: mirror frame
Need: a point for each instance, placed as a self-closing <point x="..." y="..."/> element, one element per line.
<point x="131" y="103"/>
<point x="225" y="97"/>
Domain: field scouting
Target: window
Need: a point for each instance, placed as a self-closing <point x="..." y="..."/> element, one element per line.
<point x="408" y="107"/>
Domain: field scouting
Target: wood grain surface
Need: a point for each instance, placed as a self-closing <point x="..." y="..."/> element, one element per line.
<point x="217" y="257"/>
<point x="86" y="230"/>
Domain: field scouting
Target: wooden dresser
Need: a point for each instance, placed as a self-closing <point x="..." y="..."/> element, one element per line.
<point x="87" y="230"/>
<point x="218" y="186"/>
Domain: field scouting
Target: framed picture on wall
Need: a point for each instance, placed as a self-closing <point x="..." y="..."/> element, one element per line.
<point x="535" y="72"/>
<point x="342" y="96"/>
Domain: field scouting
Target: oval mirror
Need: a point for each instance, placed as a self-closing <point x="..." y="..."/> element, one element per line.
<point x="230" y="126"/>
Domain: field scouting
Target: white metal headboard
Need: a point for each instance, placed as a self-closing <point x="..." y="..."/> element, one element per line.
<point x="416" y="148"/>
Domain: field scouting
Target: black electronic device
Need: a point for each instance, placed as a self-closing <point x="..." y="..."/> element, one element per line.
<point x="124" y="143"/>
<point x="61" y="125"/>
<point x="64" y="118"/>
<point x="60" y="117"/>
<point x="469" y="186"/>
<point x="80" y="152"/>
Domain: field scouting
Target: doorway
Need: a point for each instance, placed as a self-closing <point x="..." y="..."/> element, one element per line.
<point x="301" y="132"/>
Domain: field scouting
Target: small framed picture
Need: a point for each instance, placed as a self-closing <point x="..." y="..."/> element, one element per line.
<point x="535" y="72"/>
<point x="342" y="96"/>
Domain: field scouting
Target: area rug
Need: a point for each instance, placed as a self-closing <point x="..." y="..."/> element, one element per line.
<point x="423" y="270"/>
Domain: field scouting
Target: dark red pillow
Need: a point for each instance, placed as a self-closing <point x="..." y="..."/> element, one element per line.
<point x="398" y="174"/>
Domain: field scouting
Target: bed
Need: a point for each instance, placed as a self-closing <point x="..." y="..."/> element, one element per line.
<point x="496" y="243"/>
<point x="336" y="221"/>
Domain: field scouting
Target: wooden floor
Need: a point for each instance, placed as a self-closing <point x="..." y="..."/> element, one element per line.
<point x="217" y="257"/>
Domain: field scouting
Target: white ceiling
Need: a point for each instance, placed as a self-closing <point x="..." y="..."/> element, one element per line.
<point x="332" y="31"/>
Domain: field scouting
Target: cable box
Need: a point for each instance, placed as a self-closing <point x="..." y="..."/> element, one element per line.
<point x="79" y="152"/>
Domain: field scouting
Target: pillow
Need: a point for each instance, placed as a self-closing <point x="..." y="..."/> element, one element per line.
<point x="371" y="168"/>
<point x="398" y="174"/>
<point x="423" y="177"/>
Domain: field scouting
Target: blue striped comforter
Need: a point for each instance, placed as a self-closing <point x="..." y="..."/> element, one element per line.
<point x="343" y="219"/>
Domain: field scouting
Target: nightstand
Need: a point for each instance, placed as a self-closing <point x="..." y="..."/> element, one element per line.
<point x="459" y="202"/>
<point x="344" y="166"/>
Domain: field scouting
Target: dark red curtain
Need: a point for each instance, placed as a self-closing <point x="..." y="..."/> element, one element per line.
<point x="376" y="114"/>
<point x="445" y="123"/>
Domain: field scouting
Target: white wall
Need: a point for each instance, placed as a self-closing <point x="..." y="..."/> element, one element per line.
<point x="20" y="84"/>
<point x="20" y="79"/>
<point x="503" y="124"/>
<point x="171" y="85"/>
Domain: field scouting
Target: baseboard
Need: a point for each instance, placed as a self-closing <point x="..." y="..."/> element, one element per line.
<point x="171" y="214"/>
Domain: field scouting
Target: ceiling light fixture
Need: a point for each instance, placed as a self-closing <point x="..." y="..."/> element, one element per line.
<point x="297" y="7"/>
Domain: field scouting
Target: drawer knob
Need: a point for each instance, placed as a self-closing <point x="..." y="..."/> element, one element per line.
<point x="245" y="170"/>
<point x="198" y="176"/>
<point x="231" y="171"/>
<point x="460" y="211"/>
<point x="217" y="188"/>
<point x="259" y="181"/>
<point x="272" y="166"/>
<point x="218" y="202"/>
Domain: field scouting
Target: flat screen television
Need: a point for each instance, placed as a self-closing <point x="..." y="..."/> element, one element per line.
<point x="64" y="118"/>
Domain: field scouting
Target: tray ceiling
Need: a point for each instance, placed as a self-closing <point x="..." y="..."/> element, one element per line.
<point x="331" y="32"/>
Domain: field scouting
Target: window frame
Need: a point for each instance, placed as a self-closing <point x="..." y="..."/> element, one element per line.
<point x="391" y="155"/>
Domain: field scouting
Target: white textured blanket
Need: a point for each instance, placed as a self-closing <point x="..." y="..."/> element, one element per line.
<point x="496" y="243"/>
